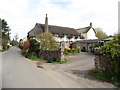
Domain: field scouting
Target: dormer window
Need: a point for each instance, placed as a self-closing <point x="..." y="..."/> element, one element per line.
<point x="56" y="35"/>
<point x="81" y="33"/>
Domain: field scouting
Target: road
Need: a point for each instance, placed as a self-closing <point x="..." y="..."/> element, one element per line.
<point x="19" y="72"/>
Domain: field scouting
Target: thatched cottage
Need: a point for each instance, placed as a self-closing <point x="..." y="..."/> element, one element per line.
<point x="63" y="34"/>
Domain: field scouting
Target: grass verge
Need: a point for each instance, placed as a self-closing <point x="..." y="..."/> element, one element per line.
<point x="63" y="62"/>
<point x="3" y="50"/>
<point x="105" y="76"/>
<point x="34" y="57"/>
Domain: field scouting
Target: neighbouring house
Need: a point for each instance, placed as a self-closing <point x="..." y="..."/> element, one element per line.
<point x="88" y="32"/>
<point x="61" y="34"/>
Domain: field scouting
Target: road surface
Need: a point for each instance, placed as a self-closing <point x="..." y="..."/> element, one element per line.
<point x="19" y="72"/>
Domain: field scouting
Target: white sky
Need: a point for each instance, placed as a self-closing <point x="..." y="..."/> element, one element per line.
<point x="22" y="15"/>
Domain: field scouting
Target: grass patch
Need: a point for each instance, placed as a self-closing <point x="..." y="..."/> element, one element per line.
<point x="105" y="76"/>
<point x="63" y="62"/>
<point x="3" y="50"/>
<point x="36" y="58"/>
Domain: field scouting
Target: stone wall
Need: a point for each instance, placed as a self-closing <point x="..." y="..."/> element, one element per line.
<point x="102" y="63"/>
<point x="54" y="55"/>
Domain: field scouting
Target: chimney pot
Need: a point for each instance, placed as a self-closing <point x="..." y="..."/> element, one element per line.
<point x="91" y="24"/>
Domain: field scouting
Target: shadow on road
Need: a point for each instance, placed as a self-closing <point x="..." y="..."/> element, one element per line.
<point x="82" y="73"/>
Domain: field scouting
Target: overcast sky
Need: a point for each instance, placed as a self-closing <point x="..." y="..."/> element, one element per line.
<point x="22" y="15"/>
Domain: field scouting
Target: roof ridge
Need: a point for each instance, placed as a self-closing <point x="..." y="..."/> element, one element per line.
<point x="55" y="26"/>
<point x="84" y="27"/>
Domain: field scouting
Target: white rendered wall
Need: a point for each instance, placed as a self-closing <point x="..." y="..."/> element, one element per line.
<point x="58" y="39"/>
<point x="73" y="39"/>
<point x="91" y="34"/>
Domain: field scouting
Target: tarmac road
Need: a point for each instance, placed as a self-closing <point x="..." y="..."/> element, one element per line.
<point x="19" y="72"/>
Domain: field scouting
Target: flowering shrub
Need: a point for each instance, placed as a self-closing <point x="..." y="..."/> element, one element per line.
<point x="26" y="45"/>
<point x="73" y="50"/>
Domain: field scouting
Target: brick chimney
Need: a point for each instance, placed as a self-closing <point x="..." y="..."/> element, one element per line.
<point x="90" y="24"/>
<point x="46" y="24"/>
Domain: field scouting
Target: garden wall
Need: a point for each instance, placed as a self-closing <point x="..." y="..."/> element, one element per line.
<point x="102" y="63"/>
<point x="54" y="55"/>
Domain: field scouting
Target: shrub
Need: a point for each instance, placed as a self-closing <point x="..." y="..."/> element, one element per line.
<point x="77" y="50"/>
<point x="34" y="45"/>
<point x="26" y="45"/>
<point x="32" y="56"/>
<point x="112" y="50"/>
<point x="65" y="52"/>
<point x="68" y="50"/>
<point x="21" y="44"/>
<point x="25" y="52"/>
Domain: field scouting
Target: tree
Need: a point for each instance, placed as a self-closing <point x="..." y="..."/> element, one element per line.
<point x="47" y="42"/>
<point x="100" y="34"/>
<point x="16" y="37"/>
<point x="14" y="42"/>
<point x="5" y="32"/>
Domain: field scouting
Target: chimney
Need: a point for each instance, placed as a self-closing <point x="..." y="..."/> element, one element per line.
<point x="46" y="24"/>
<point x="90" y="24"/>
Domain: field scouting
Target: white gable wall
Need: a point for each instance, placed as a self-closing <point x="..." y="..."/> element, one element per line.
<point x="91" y="34"/>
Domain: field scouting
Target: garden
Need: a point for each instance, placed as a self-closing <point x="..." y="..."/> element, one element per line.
<point x="69" y="51"/>
<point x="43" y="48"/>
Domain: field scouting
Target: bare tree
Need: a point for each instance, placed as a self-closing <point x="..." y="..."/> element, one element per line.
<point x="16" y="37"/>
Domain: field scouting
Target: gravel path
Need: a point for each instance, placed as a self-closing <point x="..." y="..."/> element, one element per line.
<point x="19" y="72"/>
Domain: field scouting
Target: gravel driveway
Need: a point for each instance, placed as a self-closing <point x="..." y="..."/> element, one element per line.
<point x="78" y="69"/>
<point x="19" y="72"/>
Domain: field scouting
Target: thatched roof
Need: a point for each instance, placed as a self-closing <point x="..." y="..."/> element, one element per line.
<point x="55" y="30"/>
<point x="85" y="29"/>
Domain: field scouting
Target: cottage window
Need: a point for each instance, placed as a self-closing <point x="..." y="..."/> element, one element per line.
<point x="56" y="35"/>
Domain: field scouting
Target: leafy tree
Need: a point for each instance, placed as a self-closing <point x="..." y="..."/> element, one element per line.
<point x="14" y="43"/>
<point x="16" y="37"/>
<point x="100" y="34"/>
<point x="5" y="33"/>
<point x="47" y="42"/>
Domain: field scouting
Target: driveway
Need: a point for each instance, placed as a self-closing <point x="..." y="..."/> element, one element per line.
<point x="78" y="69"/>
<point x="19" y="72"/>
